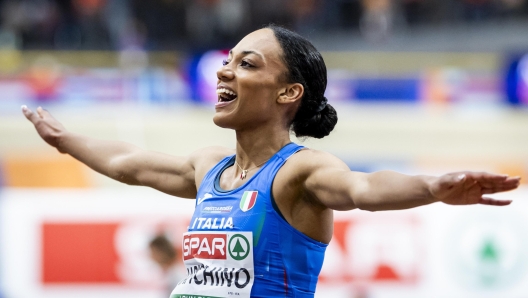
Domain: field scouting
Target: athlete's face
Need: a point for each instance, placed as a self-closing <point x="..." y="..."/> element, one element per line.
<point x="249" y="82"/>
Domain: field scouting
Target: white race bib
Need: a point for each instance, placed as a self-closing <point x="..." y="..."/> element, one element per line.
<point x="219" y="264"/>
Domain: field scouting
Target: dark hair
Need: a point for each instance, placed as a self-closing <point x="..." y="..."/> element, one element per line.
<point x="315" y="117"/>
<point x="164" y="245"/>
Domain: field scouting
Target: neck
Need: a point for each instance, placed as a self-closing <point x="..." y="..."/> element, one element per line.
<point x="256" y="146"/>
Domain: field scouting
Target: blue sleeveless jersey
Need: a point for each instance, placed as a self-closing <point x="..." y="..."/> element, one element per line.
<point x="238" y="245"/>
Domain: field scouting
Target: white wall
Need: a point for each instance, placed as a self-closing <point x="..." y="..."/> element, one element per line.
<point x="431" y="251"/>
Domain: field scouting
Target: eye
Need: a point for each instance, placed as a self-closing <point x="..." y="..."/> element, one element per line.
<point x="225" y="62"/>
<point x="244" y="63"/>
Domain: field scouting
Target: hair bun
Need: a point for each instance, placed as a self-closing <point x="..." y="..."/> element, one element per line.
<point x="319" y="125"/>
<point x="322" y="104"/>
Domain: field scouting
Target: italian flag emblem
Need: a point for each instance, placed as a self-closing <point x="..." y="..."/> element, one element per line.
<point x="249" y="198"/>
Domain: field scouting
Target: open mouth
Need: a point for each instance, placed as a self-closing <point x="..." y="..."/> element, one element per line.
<point x="225" y="95"/>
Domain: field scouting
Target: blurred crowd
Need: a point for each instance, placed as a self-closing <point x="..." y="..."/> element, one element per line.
<point x="200" y="24"/>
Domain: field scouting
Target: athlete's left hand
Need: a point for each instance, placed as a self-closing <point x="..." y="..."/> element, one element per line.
<point x="466" y="188"/>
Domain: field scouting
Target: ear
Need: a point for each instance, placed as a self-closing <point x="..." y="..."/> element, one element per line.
<point x="291" y="93"/>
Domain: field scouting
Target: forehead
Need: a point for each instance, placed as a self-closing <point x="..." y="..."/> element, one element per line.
<point x="262" y="41"/>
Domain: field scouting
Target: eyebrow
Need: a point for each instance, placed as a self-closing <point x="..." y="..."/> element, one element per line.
<point x="247" y="52"/>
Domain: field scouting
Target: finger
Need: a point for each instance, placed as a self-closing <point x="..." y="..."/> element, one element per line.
<point x="493" y="202"/>
<point x="492" y="181"/>
<point x="511" y="183"/>
<point x="42" y="113"/>
<point x="516" y="179"/>
<point x="29" y="114"/>
<point x="486" y="179"/>
<point x="499" y="189"/>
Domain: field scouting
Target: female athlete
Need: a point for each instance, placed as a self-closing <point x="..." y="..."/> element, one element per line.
<point x="264" y="211"/>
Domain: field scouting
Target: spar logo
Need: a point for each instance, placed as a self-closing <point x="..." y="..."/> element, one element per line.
<point x="488" y="250"/>
<point x="238" y="247"/>
<point x="249" y="198"/>
<point x="204" y="246"/>
<point x="218" y="264"/>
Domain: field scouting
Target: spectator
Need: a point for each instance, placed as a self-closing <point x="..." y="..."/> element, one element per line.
<point x="163" y="253"/>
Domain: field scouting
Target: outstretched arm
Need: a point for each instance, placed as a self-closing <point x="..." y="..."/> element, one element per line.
<point x="335" y="186"/>
<point x="119" y="160"/>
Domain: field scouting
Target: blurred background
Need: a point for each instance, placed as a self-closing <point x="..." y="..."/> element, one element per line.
<point x="420" y="86"/>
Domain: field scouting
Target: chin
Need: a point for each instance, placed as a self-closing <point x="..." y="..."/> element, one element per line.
<point x="222" y="121"/>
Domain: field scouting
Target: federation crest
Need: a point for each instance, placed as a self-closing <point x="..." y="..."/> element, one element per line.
<point x="249" y="198"/>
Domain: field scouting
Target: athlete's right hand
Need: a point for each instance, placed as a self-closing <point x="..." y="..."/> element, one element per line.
<point x="49" y="129"/>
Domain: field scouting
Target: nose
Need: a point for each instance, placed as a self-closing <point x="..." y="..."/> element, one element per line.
<point x="225" y="73"/>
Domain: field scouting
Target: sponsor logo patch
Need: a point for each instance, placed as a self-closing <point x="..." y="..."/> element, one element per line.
<point x="238" y="247"/>
<point x="204" y="246"/>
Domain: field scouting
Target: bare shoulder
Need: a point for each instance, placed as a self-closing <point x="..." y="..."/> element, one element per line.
<point x="204" y="159"/>
<point x="308" y="160"/>
<point x="306" y="163"/>
<point x="209" y="156"/>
